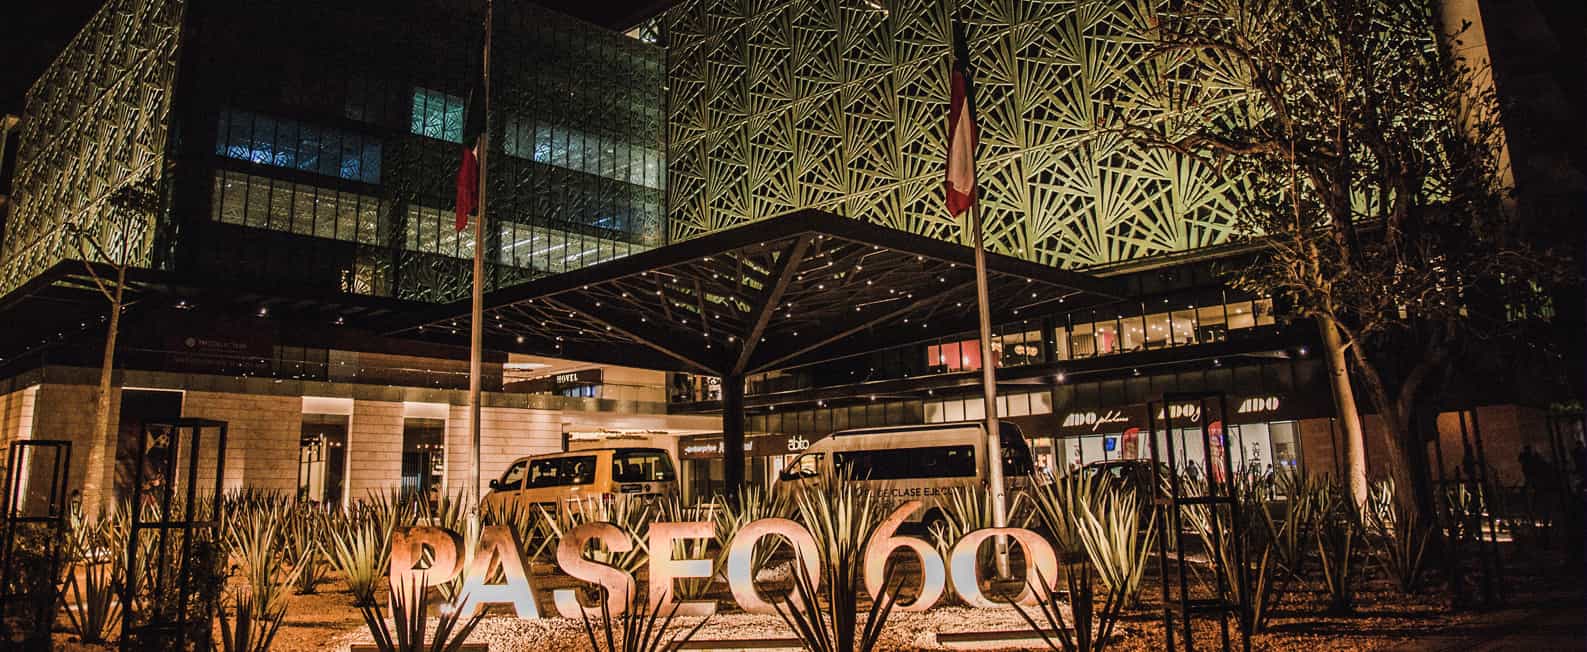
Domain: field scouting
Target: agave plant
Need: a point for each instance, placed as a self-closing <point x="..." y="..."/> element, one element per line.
<point x="450" y="511"/>
<point x="410" y="627"/>
<point x="1283" y="534"/>
<point x="631" y="516"/>
<point x="259" y="541"/>
<point x="359" y="549"/>
<point x="1053" y="499"/>
<point x="304" y="541"/>
<point x="523" y="519"/>
<point x="1100" y="535"/>
<point x="1398" y="534"/>
<point x="1215" y="526"/>
<point x="841" y="517"/>
<point x="1338" y="531"/>
<point x="966" y="509"/>
<point x="252" y="629"/>
<point x="641" y="628"/>
<point x="752" y="505"/>
<point x="96" y="572"/>
<point x="672" y="510"/>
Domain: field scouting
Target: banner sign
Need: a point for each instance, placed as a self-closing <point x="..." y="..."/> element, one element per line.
<point x="440" y="552"/>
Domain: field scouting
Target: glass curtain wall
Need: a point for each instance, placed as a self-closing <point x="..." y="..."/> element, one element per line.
<point x="348" y="160"/>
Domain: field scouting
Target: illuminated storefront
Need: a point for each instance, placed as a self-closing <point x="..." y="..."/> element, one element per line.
<point x="1262" y="431"/>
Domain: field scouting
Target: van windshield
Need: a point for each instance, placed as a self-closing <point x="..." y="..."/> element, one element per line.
<point x="642" y="466"/>
<point x="561" y="471"/>
<point x="511" y="480"/>
<point x="907" y="463"/>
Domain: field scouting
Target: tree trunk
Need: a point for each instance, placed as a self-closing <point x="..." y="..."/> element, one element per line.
<point x="1355" y="471"/>
<point x="1396" y="424"/>
<point x="100" y="472"/>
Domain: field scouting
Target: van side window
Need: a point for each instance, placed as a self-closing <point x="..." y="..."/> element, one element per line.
<point x="905" y="463"/>
<point x="562" y="471"/>
<point x="642" y="466"/>
<point x="513" y="478"/>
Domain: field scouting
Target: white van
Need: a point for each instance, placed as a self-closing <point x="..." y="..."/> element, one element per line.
<point x="901" y="463"/>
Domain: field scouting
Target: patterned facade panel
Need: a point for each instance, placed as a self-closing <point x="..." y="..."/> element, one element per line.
<point x="96" y="121"/>
<point x="783" y="104"/>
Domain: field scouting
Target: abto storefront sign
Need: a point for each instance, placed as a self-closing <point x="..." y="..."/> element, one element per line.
<point x="499" y="547"/>
<point x="710" y="447"/>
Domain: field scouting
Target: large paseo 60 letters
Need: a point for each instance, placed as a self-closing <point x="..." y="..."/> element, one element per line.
<point x="499" y="547"/>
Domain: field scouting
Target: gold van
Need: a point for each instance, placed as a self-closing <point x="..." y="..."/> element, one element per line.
<point x="556" y="480"/>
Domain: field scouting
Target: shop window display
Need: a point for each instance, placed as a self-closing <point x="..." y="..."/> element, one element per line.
<point x="1260" y="448"/>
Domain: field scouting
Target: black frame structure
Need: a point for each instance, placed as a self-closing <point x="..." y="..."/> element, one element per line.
<point x="28" y="596"/>
<point x="1219" y="496"/>
<point x="793" y="290"/>
<point x="163" y="621"/>
<point x="1486" y="530"/>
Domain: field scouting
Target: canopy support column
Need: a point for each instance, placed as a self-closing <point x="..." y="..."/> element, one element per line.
<point x="733" y="434"/>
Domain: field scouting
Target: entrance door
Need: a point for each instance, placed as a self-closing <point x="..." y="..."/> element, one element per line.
<point x="139" y="406"/>
<point x="423" y="456"/>
<point x="322" y="458"/>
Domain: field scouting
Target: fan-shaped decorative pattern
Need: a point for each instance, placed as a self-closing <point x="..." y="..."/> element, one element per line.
<point x="777" y="105"/>
<point x="97" y="120"/>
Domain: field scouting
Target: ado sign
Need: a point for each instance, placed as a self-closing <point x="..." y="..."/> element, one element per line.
<point x="498" y="544"/>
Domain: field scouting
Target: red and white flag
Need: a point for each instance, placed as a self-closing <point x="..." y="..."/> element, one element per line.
<point x="962" y="132"/>
<point x="468" y="170"/>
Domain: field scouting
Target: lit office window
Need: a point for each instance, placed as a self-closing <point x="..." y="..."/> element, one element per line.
<point x="294" y="145"/>
<point x="572" y="149"/>
<point x="278" y="205"/>
<point x="434" y="231"/>
<point x="437" y="115"/>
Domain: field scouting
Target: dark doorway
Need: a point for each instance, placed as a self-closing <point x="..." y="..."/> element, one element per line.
<point x="139" y="406"/>
<point x="322" y="458"/>
<point x="423" y="459"/>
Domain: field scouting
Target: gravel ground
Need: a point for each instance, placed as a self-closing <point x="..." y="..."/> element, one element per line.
<point x="905" y="631"/>
<point x="1384" y="619"/>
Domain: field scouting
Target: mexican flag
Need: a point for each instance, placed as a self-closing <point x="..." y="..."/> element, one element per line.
<point x="962" y="133"/>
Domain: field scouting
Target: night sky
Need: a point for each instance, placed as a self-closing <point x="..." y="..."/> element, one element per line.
<point x="36" y="31"/>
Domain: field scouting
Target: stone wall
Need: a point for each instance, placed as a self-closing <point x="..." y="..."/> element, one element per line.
<point x="374" y="447"/>
<point x="67" y="412"/>
<point x="264" y="431"/>
<point x="1317" y="452"/>
<point x="261" y="440"/>
<point x="16" y="414"/>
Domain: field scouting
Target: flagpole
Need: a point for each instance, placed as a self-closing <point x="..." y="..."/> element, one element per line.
<point x="477" y="314"/>
<point x="994" y="434"/>
<point x="994" y="438"/>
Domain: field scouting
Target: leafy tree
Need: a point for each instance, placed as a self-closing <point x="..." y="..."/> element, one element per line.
<point x="1378" y="185"/>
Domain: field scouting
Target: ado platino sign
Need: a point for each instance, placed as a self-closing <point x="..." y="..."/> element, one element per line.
<point x="499" y="545"/>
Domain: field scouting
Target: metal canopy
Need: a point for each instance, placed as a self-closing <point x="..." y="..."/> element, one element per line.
<point x="63" y="302"/>
<point x="784" y="292"/>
